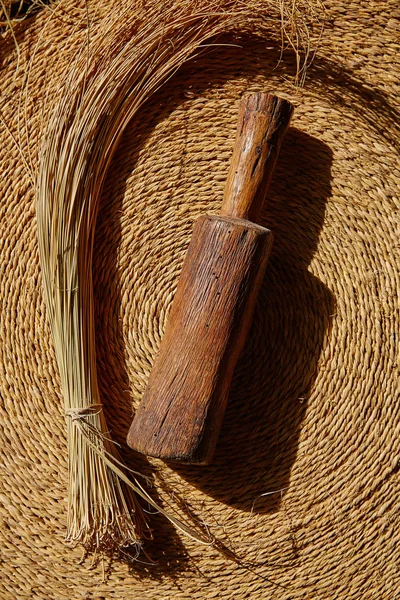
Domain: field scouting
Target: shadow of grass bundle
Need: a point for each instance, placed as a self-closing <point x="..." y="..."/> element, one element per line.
<point x="119" y="68"/>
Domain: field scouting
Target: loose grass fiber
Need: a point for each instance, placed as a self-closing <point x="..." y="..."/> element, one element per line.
<point x="304" y="488"/>
<point x="107" y="86"/>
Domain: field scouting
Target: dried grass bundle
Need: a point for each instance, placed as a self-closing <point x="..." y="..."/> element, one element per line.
<point x="119" y="68"/>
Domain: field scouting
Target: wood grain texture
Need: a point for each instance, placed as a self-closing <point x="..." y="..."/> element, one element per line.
<point x="262" y="123"/>
<point x="183" y="406"/>
<point x="181" y="412"/>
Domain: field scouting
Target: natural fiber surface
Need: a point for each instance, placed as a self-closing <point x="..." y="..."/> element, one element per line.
<point x="303" y="495"/>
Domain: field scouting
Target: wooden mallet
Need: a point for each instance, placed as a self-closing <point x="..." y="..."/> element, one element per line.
<point x="181" y="413"/>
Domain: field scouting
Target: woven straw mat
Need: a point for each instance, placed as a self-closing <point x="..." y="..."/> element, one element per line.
<point x="303" y="494"/>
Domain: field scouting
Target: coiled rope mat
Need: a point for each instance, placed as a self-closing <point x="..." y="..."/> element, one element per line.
<point x="303" y="495"/>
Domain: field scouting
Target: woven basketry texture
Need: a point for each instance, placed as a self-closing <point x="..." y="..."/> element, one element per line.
<point x="303" y="494"/>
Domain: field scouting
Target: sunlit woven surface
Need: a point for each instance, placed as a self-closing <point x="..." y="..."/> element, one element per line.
<point x="303" y="495"/>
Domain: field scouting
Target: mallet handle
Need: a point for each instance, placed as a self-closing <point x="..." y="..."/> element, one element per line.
<point x="262" y="124"/>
